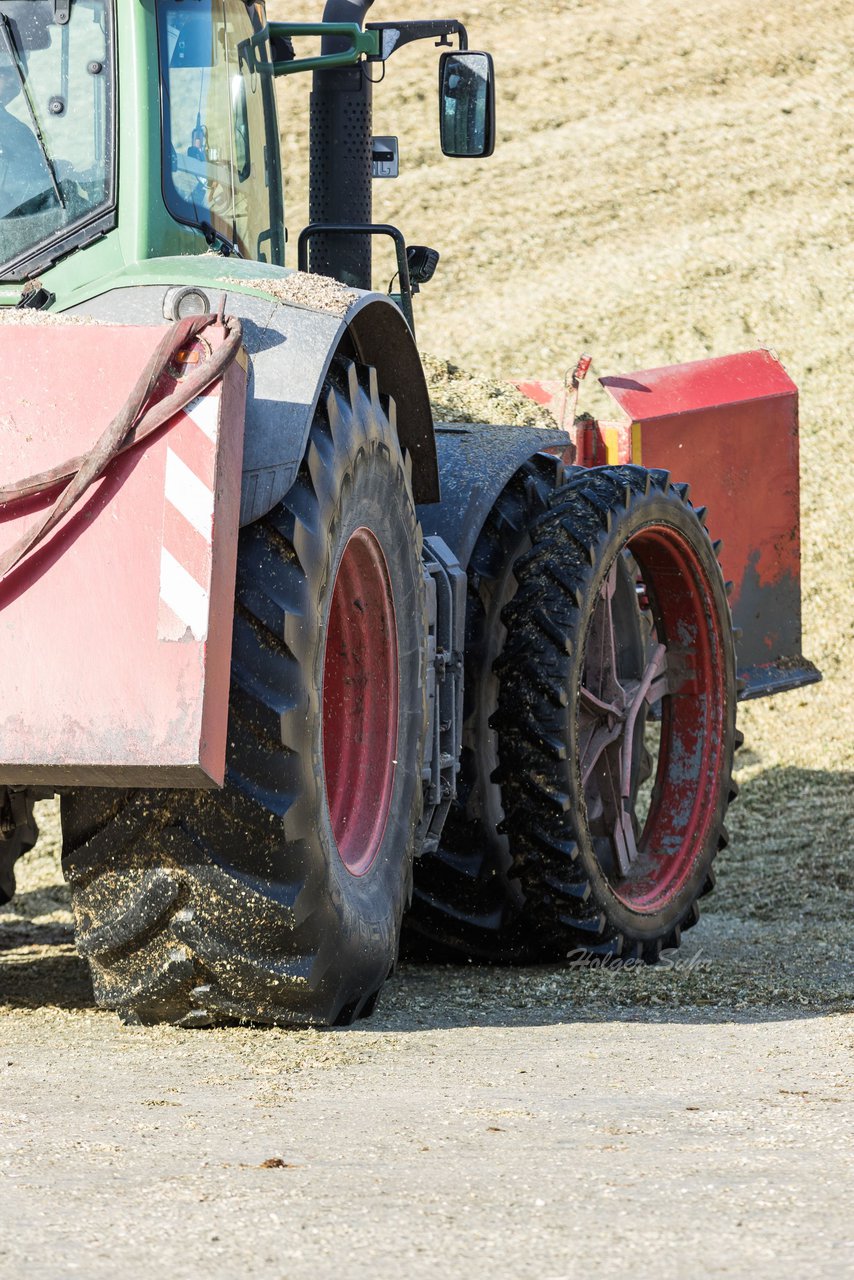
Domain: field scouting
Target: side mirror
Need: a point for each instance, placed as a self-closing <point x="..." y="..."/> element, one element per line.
<point x="467" y="104"/>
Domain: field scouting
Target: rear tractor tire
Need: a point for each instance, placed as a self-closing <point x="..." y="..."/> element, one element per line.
<point x="616" y="763"/>
<point x="599" y="733"/>
<point x="279" y="899"/>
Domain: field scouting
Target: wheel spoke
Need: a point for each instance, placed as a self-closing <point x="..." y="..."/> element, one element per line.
<point x="601" y="737"/>
<point x="609" y="639"/>
<point x="625" y="844"/>
<point x="616" y="822"/>
<point x="654" y="675"/>
<point x="597" y="707"/>
<point x="601" y="671"/>
<point x="659" y="688"/>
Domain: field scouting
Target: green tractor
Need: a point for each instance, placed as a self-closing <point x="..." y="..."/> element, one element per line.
<point x="296" y="658"/>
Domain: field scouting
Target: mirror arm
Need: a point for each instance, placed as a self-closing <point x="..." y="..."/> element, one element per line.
<point x="362" y="43"/>
<point x="394" y="35"/>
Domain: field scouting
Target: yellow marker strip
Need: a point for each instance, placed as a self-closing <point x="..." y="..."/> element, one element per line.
<point x="637" y="453"/>
<point x="612" y="446"/>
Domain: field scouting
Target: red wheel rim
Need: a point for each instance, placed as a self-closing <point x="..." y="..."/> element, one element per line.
<point x="360" y="702"/>
<point x="685" y="675"/>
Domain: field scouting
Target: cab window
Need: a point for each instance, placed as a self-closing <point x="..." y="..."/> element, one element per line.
<point x="56" y="128"/>
<point x="220" y="149"/>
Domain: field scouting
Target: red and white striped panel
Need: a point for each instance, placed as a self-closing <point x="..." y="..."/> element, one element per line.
<point x="115" y="636"/>
<point x="187" y="544"/>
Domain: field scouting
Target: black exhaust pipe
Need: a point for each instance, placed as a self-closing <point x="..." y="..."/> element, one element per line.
<point x="341" y="133"/>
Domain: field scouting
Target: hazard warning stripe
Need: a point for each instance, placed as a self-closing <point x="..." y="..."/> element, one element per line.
<point x="205" y="413"/>
<point x="180" y="592"/>
<point x="187" y="536"/>
<point x="190" y="548"/>
<point x="189" y="494"/>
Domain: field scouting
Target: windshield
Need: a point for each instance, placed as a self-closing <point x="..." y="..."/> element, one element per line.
<point x="56" y="171"/>
<point x="220" y="152"/>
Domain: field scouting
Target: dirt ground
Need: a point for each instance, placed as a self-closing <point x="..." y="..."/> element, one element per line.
<point x="672" y="181"/>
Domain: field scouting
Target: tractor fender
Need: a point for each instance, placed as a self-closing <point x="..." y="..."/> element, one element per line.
<point x="290" y="349"/>
<point x="476" y="463"/>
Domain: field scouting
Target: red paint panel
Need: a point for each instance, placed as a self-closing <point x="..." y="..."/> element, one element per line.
<point x="729" y="427"/>
<point x="93" y="693"/>
<point x="699" y="385"/>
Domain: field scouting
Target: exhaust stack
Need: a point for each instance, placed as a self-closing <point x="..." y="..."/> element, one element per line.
<point x="341" y="132"/>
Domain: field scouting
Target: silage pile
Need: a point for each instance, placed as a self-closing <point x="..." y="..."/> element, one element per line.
<point x="459" y="396"/>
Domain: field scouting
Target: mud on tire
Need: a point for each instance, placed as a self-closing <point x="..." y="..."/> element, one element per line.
<point x="602" y="868"/>
<point x="279" y="899"/>
<point x="466" y="902"/>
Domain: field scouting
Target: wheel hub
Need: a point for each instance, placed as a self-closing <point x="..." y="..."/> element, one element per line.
<point x="645" y="858"/>
<point x="360" y="702"/>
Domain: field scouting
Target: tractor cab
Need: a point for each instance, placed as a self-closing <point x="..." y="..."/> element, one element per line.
<point x="192" y="83"/>
<point x="220" y="171"/>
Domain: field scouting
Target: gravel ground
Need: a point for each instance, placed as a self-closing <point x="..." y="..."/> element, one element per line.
<point x="670" y="183"/>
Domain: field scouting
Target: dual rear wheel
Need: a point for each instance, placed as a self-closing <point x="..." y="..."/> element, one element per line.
<point x="611" y="707"/>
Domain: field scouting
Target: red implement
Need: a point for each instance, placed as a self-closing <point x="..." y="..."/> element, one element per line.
<point x="729" y="428"/>
<point x="115" y="632"/>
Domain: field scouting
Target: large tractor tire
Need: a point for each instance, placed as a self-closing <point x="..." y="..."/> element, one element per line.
<point x="575" y="614"/>
<point x="279" y="899"/>
<point x="616" y="776"/>
<point x="466" y="902"/>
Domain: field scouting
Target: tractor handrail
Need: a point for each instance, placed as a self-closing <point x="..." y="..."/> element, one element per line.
<point x="364" y="229"/>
